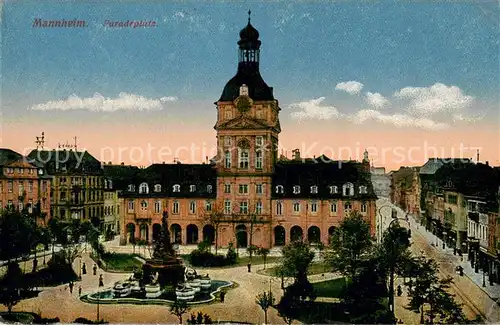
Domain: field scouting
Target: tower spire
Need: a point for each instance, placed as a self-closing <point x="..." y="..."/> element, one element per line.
<point x="249" y="13"/>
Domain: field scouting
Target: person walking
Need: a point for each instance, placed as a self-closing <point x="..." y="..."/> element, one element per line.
<point x="79" y="290"/>
<point x="222" y="296"/>
<point x="71" y="287"/>
<point x="95" y="269"/>
<point x="84" y="268"/>
<point x="101" y="282"/>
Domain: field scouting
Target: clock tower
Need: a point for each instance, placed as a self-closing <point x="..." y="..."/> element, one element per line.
<point x="247" y="140"/>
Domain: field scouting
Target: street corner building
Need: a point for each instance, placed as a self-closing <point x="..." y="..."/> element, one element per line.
<point x="247" y="193"/>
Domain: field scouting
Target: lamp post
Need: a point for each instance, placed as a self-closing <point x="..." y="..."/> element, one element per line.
<point x="381" y="219"/>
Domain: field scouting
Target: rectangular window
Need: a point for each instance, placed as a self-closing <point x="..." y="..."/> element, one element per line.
<point x="9" y="204"/>
<point x="228" y="114"/>
<point x="208" y="206"/>
<point x="175" y="207"/>
<point x="243" y="158"/>
<point x="296" y="207"/>
<point x="279" y="208"/>
<point x="227" y="160"/>
<point x="364" y="208"/>
<point x="157" y="207"/>
<point x="30" y="186"/>
<point x="21" y="188"/>
<point x="10" y="186"/>
<point x="227" y="207"/>
<point x="63" y="196"/>
<point x="259" y="158"/>
<point x="227" y="188"/>
<point x="244" y="207"/>
<point x="258" y="208"/>
<point x="227" y="141"/>
<point x="258" y="189"/>
<point x="243" y="189"/>
<point x="333" y="207"/>
<point x="131" y="205"/>
<point x="314" y="207"/>
<point x="348" y="206"/>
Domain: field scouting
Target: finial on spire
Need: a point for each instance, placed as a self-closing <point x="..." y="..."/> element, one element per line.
<point x="249" y="13"/>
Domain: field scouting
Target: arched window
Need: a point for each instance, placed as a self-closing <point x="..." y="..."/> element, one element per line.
<point x="176" y="188"/>
<point x="144" y="204"/>
<point x="192" y="207"/>
<point x="296" y="207"/>
<point x="157" y="206"/>
<point x="348" y="189"/>
<point x="333" y="189"/>
<point x="279" y="189"/>
<point x="143" y="188"/>
<point x="243" y="154"/>
<point x="192" y="188"/>
<point x="157" y="188"/>
<point x="175" y="207"/>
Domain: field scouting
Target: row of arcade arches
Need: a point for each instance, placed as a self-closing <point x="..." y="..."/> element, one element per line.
<point x="208" y="234"/>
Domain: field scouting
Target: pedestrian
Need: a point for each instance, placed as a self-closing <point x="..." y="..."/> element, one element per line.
<point x="95" y="269"/>
<point x="71" y="287"/>
<point x="101" y="282"/>
<point x="249" y="266"/>
<point x="222" y="296"/>
<point x="79" y="290"/>
<point x="84" y="268"/>
<point x="35" y="264"/>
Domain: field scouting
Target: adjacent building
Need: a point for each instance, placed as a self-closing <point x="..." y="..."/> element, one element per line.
<point x="381" y="182"/>
<point x="405" y="189"/>
<point x="24" y="185"/>
<point x="77" y="184"/>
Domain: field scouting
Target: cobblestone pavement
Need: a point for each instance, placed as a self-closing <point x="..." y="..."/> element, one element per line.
<point x="239" y="304"/>
<point x="476" y="300"/>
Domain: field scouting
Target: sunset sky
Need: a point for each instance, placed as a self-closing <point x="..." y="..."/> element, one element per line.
<point x="406" y="80"/>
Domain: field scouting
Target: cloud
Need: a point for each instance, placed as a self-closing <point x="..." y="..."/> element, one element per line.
<point x="312" y="109"/>
<point x="398" y="120"/>
<point x="376" y="100"/>
<point x="99" y="103"/>
<point x="351" y="87"/>
<point x="438" y="98"/>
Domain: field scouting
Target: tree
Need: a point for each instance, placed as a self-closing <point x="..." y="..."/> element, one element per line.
<point x="11" y="285"/>
<point x="428" y="289"/>
<point x="252" y="249"/>
<point x="214" y="217"/>
<point x="264" y="252"/>
<point x="350" y="245"/>
<point x="17" y="234"/>
<point x="265" y="300"/>
<point x="179" y="308"/>
<point x="289" y="307"/>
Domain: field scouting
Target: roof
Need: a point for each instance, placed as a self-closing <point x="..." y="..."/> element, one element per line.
<point x="7" y="156"/>
<point x="258" y="90"/>
<point x="185" y="175"/>
<point x="433" y="164"/>
<point x="120" y="175"/>
<point x="66" y="161"/>
<point x="321" y="172"/>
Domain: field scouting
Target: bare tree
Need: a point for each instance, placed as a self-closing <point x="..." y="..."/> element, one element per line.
<point x="179" y="308"/>
<point x="213" y="215"/>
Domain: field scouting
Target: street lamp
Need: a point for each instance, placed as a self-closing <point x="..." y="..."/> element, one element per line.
<point x="381" y="219"/>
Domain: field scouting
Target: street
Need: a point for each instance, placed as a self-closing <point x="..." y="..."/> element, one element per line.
<point x="475" y="300"/>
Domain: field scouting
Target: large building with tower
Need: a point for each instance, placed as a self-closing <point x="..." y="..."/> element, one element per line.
<point x="260" y="199"/>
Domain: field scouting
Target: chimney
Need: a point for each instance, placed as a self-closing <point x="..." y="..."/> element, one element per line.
<point x="296" y="154"/>
<point x="206" y="159"/>
<point x="123" y="164"/>
<point x="477" y="156"/>
<point x="487" y="163"/>
<point x="109" y="162"/>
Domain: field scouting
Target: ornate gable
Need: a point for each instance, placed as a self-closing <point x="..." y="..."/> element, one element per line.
<point x="243" y="122"/>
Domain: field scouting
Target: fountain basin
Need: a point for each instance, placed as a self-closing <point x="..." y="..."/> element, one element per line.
<point x="152" y="290"/>
<point x="106" y="296"/>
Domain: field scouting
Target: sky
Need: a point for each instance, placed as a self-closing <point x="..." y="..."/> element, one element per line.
<point x="404" y="80"/>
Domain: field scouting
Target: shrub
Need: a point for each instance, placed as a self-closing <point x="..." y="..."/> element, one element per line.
<point x="82" y="320"/>
<point x="42" y="320"/>
<point x="231" y="256"/>
<point x="207" y="259"/>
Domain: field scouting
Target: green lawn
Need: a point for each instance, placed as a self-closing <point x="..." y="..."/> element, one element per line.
<point x="315" y="268"/>
<point x="243" y="260"/>
<point x="331" y="288"/>
<point x="116" y="262"/>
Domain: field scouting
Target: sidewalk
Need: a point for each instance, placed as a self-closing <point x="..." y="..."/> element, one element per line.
<point x="493" y="291"/>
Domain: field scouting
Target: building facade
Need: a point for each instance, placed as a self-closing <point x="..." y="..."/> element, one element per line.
<point x="260" y="199"/>
<point x="77" y="184"/>
<point x="381" y="182"/>
<point x="24" y="185"/>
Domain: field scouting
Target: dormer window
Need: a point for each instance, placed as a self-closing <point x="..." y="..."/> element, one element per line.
<point x="334" y="189"/>
<point x="279" y="189"/>
<point x="314" y="189"/>
<point x="209" y="188"/>
<point x="243" y="90"/>
<point x="131" y="188"/>
<point x="362" y="190"/>
<point x="348" y="189"/>
<point x="143" y="188"/>
<point x="192" y="188"/>
<point x="176" y="188"/>
<point x="296" y="189"/>
<point x="157" y="188"/>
